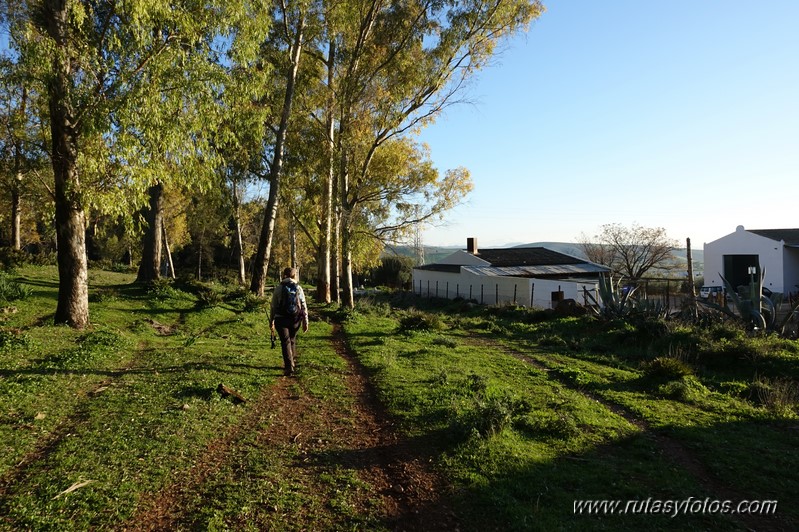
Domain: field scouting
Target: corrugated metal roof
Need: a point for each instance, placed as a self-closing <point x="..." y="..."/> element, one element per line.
<point x="449" y="268"/>
<point x="558" y="270"/>
<point x="537" y="256"/>
<point x="790" y="236"/>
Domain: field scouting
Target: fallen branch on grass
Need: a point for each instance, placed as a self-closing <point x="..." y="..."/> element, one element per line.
<point x="230" y="392"/>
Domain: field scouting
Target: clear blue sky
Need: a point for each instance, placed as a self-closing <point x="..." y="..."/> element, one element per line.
<point x="610" y="112"/>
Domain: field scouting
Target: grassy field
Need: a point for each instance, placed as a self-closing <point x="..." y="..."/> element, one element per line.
<point x="517" y="413"/>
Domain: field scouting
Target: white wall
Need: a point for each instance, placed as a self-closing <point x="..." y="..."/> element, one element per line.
<point x="491" y="290"/>
<point x="791" y="272"/>
<point x="742" y="242"/>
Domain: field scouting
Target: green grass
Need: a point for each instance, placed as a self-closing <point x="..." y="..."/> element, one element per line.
<point x="131" y="403"/>
<point x="521" y="413"/>
<point x="559" y="444"/>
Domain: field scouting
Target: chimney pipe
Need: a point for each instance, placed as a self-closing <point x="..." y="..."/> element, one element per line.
<point x="471" y="245"/>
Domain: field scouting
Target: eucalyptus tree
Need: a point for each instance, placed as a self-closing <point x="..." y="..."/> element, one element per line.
<point x="94" y="59"/>
<point x="402" y="64"/>
<point x="22" y="143"/>
<point x="294" y="27"/>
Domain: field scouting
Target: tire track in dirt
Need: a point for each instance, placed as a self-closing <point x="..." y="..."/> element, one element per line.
<point x="404" y="493"/>
<point x="413" y="496"/>
<point x="673" y="449"/>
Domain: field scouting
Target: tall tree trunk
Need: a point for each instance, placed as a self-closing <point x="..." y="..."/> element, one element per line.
<point x="150" y="266"/>
<point x="694" y="309"/>
<point x="335" y="258"/>
<point x="293" y="247"/>
<point x="267" y="231"/>
<point x="170" y="265"/>
<point x="16" y="187"/>
<point x="347" y="296"/>
<point x="73" y="287"/>
<point x="239" y="238"/>
<point x="323" y="260"/>
<point x="16" y="212"/>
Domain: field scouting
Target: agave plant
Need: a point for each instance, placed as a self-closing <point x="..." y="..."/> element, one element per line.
<point x="758" y="311"/>
<point x="615" y="302"/>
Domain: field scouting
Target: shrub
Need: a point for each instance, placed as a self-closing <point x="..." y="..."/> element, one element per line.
<point x="666" y="368"/>
<point x="688" y="389"/>
<point x="552" y="340"/>
<point x="208" y="297"/>
<point x="420" y="321"/>
<point x="572" y="376"/>
<point x="103" y="294"/>
<point x="11" y="290"/>
<point x="252" y="303"/>
<point x="161" y="289"/>
<point x="445" y="342"/>
<point x="779" y="396"/>
<point x="491" y="412"/>
<point x="560" y="425"/>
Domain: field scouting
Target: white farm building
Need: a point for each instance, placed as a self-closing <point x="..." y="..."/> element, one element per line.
<point x="533" y="277"/>
<point x="775" y="250"/>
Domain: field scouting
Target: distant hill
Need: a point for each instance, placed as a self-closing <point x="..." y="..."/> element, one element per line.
<point x="575" y="250"/>
<point x="433" y="254"/>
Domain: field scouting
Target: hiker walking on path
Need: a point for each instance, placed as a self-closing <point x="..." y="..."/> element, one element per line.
<point x="287" y="313"/>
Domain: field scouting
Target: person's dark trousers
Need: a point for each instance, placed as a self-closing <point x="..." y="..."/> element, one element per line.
<point x="287" y="331"/>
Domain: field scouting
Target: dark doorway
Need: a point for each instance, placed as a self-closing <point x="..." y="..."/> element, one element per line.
<point x="736" y="269"/>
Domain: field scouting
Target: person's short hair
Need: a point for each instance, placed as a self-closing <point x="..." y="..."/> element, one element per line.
<point x="289" y="273"/>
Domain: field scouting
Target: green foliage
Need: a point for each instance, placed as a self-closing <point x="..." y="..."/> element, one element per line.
<point x="414" y="321"/>
<point x="573" y="376"/>
<point x="613" y="301"/>
<point x="208" y="296"/>
<point x="252" y="303"/>
<point x="394" y="272"/>
<point x="779" y="395"/>
<point x="103" y="295"/>
<point x="687" y="388"/>
<point x="11" y="339"/>
<point x="161" y="289"/>
<point x="666" y="368"/>
<point x="11" y="258"/>
<point x="560" y="425"/>
<point x="12" y="290"/>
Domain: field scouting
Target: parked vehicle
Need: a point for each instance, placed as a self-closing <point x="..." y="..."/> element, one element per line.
<point x="706" y="291"/>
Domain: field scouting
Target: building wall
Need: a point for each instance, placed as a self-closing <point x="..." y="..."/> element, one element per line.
<point x="791" y="270"/>
<point x="495" y="290"/>
<point x="741" y="242"/>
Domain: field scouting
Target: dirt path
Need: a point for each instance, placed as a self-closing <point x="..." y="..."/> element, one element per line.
<point x="672" y="449"/>
<point x="404" y="493"/>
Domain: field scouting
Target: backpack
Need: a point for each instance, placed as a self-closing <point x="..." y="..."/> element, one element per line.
<point x="290" y="300"/>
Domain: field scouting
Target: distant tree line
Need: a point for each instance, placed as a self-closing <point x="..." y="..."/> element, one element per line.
<point x="135" y="131"/>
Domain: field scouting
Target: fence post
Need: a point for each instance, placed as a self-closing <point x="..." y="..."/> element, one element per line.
<point x="470" y="292"/>
<point x="496" y="293"/>
<point x="481" y="294"/>
<point x="532" y="293"/>
<point x="428" y="289"/>
<point x="514" y="294"/>
<point x="457" y="290"/>
<point x="447" y="296"/>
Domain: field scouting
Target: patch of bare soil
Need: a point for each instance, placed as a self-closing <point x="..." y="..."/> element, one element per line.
<point x="404" y="492"/>
<point x="412" y="494"/>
